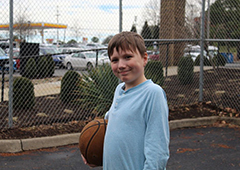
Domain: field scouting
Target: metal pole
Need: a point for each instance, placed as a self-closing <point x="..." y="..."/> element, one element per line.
<point x="208" y="21"/>
<point x="166" y="67"/>
<point x="202" y="39"/>
<point x="120" y="15"/>
<point x="10" y="94"/>
<point x="57" y="28"/>
<point x="29" y="22"/>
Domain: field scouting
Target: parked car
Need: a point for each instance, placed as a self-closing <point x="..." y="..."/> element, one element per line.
<point x="195" y="51"/>
<point x="5" y="44"/>
<point x="154" y="56"/>
<point x="83" y="60"/>
<point x="74" y="45"/>
<point x="95" y="46"/>
<point x="69" y="49"/>
<point x="57" y="58"/>
<point x="104" y="58"/>
<point x="7" y="50"/>
<point x="4" y="58"/>
<point x="17" y="58"/>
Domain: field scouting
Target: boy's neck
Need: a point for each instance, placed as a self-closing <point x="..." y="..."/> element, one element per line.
<point x="129" y="85"/>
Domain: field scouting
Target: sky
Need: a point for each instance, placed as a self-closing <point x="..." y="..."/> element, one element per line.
<point x="99" y="18"/>
<point x="90" y="17"/>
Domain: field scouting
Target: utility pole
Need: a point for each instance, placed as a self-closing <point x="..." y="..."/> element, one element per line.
<point x="57" y="23"/>
<point x="120" y="15"/>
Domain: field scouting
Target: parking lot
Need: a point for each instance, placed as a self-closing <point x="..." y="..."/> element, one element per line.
<point x="205" y="148"/>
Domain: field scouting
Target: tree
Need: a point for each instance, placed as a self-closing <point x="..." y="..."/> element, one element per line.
<point x="133" y="29"/>
<point x="23" y="29"/>
<point x="106" y="40"/>
<point x="72" y="41"/>
<point x="95" y="39"/>
<point x="224" y="17"/>
<point x="76" y="30"/>
<point x="155" y="31"/>
<point x="152" y="12"/>
<point x="146" y="33"/>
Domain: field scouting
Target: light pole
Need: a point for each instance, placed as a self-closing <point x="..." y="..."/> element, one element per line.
<point x="120" y="15"/>
<point x="29" y="22"/>
<point x="57" y="23"/>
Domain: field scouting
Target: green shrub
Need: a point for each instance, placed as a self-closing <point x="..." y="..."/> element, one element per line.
<point x="97" y="90"/>
<point x="206" y="61"/>
<point x="219" y="60"/>
<point x="42" y="66"/>
<point x="69" y="85"/>
<point x="154" y="71"/>
<point x="50" y="65"/>
<point x="23" y="93"/>
<point x="185" y="70"/>
<point x="30" y="69"/>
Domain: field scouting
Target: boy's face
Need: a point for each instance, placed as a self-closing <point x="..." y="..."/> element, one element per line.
<point x="129" y="66"/>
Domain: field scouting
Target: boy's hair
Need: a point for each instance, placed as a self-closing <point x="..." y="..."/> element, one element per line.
<point x="127" y="41"/>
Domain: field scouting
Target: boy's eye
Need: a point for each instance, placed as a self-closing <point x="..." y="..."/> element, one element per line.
<point x="114" y="60"/>
<point x="128" y="57"/>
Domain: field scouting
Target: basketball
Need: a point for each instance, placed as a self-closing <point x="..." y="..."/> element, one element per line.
<point x="91" y="141"/>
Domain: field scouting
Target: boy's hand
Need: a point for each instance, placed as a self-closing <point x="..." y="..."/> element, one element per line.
<point x="85" y="162"/>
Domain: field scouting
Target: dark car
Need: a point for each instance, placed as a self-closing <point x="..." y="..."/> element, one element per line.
<point x="57" y="58"/>
<point x="4" y="45"/>
<point x="4" y="59"/>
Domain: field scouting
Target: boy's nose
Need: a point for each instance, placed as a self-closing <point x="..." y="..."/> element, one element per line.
<point x="121" y="64"/>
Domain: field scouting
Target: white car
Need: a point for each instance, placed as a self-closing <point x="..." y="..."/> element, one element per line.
<point x="69" y="49"/>
<point x="83" y="60"/>
<point x="195" y="51"/>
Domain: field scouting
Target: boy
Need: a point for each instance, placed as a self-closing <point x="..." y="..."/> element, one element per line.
<point x="137" y="135"/>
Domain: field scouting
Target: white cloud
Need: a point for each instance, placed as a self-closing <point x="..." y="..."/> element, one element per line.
<point x="94" y="17"/>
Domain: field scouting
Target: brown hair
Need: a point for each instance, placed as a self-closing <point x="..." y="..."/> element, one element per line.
<point x="127" y="41"/>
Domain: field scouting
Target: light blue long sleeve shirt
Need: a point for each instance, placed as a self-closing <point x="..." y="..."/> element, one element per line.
<point x="137" y="135"/>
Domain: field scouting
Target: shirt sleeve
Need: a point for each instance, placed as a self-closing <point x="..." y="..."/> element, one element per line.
<point x="156" y="145"/>
<point x="106" y="116"/>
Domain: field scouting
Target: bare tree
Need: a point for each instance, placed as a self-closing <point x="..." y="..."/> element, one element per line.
<point x="152" y="12"/>
<point x="76" y="30"/>
<point x="22" y="28"/>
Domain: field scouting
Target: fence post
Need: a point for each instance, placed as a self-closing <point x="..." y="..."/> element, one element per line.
<point x="166" y="60"/>
<point x="202" y="39"/>
<point x="10" y="98"/>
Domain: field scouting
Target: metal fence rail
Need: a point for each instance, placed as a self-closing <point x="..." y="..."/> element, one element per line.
<point x="60" y="36"/>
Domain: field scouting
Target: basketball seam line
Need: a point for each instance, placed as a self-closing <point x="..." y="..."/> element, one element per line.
<point x="91" y="140"/>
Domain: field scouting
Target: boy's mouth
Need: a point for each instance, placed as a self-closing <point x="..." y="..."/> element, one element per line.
<point x="123" y="72"/>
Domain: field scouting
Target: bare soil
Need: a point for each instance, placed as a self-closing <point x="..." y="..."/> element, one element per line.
<point x="43" y="119"/>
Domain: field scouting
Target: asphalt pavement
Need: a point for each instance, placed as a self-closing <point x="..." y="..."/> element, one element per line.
<point x="205" y="148"/>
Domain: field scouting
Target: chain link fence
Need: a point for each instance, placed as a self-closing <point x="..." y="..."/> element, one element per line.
<point x="55" y="67"/>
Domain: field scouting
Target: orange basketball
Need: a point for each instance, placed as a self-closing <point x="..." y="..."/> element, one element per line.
<point x="91" y="141"/>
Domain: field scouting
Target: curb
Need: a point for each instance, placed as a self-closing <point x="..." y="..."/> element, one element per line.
<point x="19" y="145"/>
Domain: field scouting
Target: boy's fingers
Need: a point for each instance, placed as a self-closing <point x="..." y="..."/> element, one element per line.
<point x="85" y="162"/>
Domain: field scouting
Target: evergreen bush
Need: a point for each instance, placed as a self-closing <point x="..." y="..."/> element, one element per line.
<point x="154" y="71"/>
<point x="42" y="67"/>
<point x="185" y="70"/>
<point x="30" y="69"/>
<point x="219" y="60"/>
<point x="206" y="61"/>
<point x="50" y="65"/>
<point x="69" y="85"/>
<point x="23" y="93"/>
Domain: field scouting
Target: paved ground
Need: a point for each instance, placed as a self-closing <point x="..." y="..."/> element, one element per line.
<point x="191" y="149"/>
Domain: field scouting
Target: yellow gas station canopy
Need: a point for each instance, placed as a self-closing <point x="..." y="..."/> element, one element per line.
<point x="38" y="25"/>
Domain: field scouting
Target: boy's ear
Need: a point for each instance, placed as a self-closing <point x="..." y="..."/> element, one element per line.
<point x="145" y="59"/>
